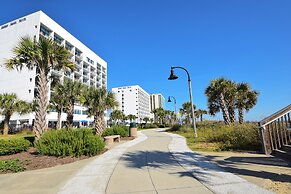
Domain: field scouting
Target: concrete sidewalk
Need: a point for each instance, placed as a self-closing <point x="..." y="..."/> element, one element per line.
<point x="155" y="162"/>
<point x="150" y="168"/>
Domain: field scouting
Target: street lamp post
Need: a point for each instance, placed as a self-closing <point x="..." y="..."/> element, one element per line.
<point x="173" y="77"/>
<point x="169" y="100"/>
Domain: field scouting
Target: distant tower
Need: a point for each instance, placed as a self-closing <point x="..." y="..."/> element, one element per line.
<point x="157" y="101"/>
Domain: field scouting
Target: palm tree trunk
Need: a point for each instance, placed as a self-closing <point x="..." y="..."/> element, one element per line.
<point x="59" y="119"/>
<point x="201" y="117"/>
<point x="224" y="110"/>
<point x="42" y="100"/>
<point x="99" y="123"/>
<point x="70" y="114"/>
<point x="6" y="124"/>
<point x="240" y="115"/>
<point x="231" y="114"/>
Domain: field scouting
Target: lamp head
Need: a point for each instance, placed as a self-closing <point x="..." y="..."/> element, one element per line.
<point x="172" y="75"/>
<point x="169" y="99"/>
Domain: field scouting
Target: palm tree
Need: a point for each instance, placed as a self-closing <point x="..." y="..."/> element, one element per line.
<point x="73" y="91"/>
<point x="116" y="115"/>
<point x="246" y="99"/>
<point x="220" y="95"/>
<point x="131" y="117"/>
<point x="200" y="113"/>
<point x="160" y="114"/>
<point x="146" y="119"/>
<point x="155" y="115"/>
<point x="98" y="100"/>
<point x="45" y="56"/>
<point x="58" y="101"/>
<point x="9" y="104"/>
<point x="187" y="111"/>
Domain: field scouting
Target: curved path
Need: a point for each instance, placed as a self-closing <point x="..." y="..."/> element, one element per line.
<point x="156" y="162"/>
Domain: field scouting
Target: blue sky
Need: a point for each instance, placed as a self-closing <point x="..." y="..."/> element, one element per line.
<point x="242" y="40"/>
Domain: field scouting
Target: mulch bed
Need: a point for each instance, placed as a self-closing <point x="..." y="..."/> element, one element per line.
<point x="31" y="160"/>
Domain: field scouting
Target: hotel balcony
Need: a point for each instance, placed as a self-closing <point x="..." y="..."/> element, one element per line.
<point x="86" y="81"/>
<point x="78" y="63"/>
<point x="45" y="31"/>
<point x="70" y="47"/>
<point x="85" y="74"/>
<point x="77" y="77"/>
<point x="59" y="40"/>
<point x="78" y="54"/>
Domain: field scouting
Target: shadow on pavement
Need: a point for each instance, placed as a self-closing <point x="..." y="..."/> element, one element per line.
<point x="202" y="166"/>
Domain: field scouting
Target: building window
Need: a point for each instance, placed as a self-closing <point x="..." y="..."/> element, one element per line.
<point x="29" y="91"/>
<point x="22" y="20"/>
<point x="4" y="26"/>
<point x="35" y="26"/>
<point x="11" y="24"/>
<point x="30" y="79"/>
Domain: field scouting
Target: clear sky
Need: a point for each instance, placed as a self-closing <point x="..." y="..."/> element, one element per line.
<point x="242" y="40"/>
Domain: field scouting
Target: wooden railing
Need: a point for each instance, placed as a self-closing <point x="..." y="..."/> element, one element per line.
<point x="275" y="130"/>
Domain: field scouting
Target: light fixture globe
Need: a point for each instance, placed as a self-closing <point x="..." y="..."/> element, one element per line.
<point x="172" y="75"/>
<point x="169" y="99"/>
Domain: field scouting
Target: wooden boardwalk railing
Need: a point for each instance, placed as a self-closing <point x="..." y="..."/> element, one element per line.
<point x="275" y="130"/>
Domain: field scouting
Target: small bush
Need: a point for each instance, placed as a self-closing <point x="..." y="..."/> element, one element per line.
<point x="12" y="165"/>
<point x="71" y="142"/>
<point x="117" y="130"/>
<point x="175" y="128"/>
<point x="13" y="146"/>
<point x="148" y="126"/>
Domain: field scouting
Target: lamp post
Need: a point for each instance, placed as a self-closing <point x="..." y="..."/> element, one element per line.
<point x="174" y="77"/>
<point x="169" y="100"/>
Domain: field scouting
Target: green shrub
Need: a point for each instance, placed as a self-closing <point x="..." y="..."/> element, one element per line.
<point x="147" y="126"/>
<point x="233" y="137"/>
<point x="71" y="142"/>
<point x="13" y="146"/>
<point x="12" y="165"/>
<point x="175" y="128"/>
<point x="117" y="130"/>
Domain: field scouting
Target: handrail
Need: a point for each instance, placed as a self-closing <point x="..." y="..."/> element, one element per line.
<point x="275" y="116"/>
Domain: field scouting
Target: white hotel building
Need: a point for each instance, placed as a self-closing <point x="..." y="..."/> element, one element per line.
<point x="157" y="101"/>
<point x="133" y="100"/>
<point x="90" y="68"/>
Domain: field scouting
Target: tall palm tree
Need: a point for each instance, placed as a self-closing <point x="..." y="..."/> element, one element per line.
<point x="246" y="99"/>
<point x="219" y="97"/>
<point x="9" y="104"/>
<point x="58" y="101"/>
<point x="131" y="117"/>
<point x="187" y="111"/>
<point x="98" y="100"/>
<point x="73" y="91"/>
<point x="200" y="113"/>
<point x="45" y="56"/>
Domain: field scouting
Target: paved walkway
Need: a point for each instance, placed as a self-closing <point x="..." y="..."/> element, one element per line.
<point x="155" y="162"/>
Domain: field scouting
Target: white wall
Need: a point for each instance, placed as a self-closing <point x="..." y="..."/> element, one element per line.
<point x="23" y="83"/>
<point x="136" y="101"/>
